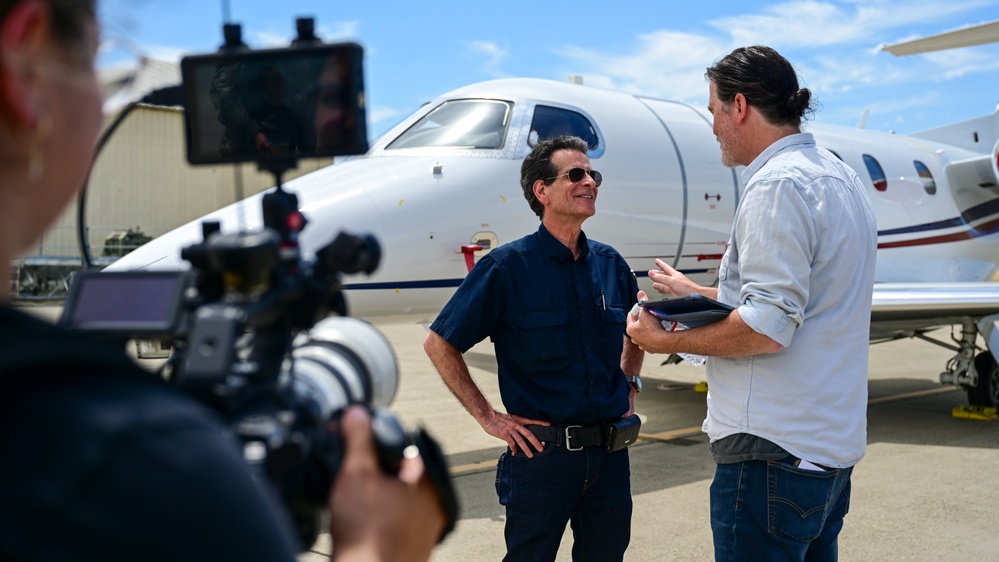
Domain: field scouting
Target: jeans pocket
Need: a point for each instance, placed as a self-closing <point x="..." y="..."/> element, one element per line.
<point x="503" y="479"/>
<point x="797" y="501"/>
<point x="525" y="468"/>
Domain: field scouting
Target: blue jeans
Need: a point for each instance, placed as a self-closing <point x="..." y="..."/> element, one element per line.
<point x="770" y="510"/>
<point x="591" y="489"/>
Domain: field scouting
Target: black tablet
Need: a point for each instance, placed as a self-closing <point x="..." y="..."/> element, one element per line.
<point x="691" y="310"/>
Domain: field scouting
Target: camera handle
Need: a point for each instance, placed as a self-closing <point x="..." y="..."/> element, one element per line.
<point x="281" y="214"/>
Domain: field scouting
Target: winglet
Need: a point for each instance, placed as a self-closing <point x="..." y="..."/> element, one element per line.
<point x="863" y="118"/>
<point x="966" y="37"/>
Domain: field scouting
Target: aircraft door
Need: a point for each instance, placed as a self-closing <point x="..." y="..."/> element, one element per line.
<point x="641" y="199"/>
<point x="711" y="191"/>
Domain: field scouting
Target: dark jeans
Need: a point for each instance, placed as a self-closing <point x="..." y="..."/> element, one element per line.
<point x="590" y="488"/>
<point x="770" y="510"/>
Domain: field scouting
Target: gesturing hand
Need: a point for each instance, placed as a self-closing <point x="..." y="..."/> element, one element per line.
<point x="666" y="279"/>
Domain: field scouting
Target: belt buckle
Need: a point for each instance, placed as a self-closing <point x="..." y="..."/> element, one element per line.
<point x="568" y="446"/>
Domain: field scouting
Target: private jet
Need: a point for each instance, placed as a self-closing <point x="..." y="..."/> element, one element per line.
<point x="441" y="189"/>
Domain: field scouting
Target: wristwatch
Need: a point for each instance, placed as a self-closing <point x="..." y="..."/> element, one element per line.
<point x="634" y="380"/>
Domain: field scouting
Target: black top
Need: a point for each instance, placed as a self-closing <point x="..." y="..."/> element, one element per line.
<point x="557" y="325"/>
<point x="101" y="460"/>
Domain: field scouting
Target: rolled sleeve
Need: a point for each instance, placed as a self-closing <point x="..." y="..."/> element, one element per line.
<point x="769" y="320"/>
<point x="776" y="259"/>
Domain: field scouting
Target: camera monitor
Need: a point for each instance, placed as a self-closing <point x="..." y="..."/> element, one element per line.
<point x="130" y="302"/>
<point x="274" y="104"/>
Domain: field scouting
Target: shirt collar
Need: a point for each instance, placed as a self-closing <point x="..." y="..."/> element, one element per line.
<point x="555" y="248"/>
<point x="785" y="143"/>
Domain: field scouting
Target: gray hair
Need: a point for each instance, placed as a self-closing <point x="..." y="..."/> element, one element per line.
<point x="538" y="166"/>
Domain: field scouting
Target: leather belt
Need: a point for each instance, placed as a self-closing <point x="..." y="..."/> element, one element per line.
<point x="574" y="437"/>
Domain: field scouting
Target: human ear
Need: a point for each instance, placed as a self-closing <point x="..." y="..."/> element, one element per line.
<point x="540" y="191"/>
<point x="741" y="107"/>
<point x="23" y="35"/>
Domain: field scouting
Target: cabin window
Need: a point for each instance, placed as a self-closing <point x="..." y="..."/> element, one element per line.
<point x="929" y="184"/>
<point x="550" y="122"/>
<point x="878" y="177"/>
<point x="459" y="124"/>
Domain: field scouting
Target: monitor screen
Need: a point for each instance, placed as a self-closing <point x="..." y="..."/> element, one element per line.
<point x="125" y="302"/>
<point x="274" y="104"/>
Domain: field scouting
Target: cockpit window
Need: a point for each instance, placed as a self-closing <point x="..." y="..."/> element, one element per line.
<point x="459" y="124"/>
<point x="550" y="122"/>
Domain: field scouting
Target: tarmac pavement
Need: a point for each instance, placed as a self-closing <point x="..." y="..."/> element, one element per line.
<point x="926" y="490"/>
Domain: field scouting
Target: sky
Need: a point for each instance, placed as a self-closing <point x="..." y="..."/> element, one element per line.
<point x="416" y="51"/>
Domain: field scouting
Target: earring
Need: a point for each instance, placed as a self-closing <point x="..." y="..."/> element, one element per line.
<point x="36" y="158"/>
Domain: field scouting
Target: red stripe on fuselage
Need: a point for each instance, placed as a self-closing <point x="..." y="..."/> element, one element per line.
<point x="984" y="229"/>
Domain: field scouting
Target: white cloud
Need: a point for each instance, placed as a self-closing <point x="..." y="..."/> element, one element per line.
<point x="379" y="114"/>
<point x="494" y="56"/>
<point x="268" y="39"/>
<point x="340" y="31"/>
<point x="833" y="45"/>
<point x="665" y="63"/>
<point x="816" y="24"/>
<point x="957" y="63"/>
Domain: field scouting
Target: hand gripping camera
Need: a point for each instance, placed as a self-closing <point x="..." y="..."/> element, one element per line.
<point x="258" y="333"/>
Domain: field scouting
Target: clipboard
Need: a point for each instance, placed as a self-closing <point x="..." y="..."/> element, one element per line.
<point x="691" y="310"/>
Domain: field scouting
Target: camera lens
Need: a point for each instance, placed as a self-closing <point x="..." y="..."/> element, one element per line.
<point x="342" y="361"/>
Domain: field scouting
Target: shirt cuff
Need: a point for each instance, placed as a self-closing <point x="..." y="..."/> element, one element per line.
<point x="769" y="320"/>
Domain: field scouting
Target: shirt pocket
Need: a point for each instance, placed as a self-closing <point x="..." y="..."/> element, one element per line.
<point x="613" y="315"/>
<point x="544" y="334"/>
<point x="612" y="325"/>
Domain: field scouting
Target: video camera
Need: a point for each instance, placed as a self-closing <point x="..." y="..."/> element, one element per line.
<point x="257" y="332"/>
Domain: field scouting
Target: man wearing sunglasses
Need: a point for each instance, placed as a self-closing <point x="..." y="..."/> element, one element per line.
<point x="787" y="370"/>
<point x="554" y="305"/>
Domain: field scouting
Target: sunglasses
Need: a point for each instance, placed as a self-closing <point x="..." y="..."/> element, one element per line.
<point x="576" y="175"/>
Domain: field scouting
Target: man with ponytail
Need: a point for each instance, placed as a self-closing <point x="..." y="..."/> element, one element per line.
<point x="787" y="369"/>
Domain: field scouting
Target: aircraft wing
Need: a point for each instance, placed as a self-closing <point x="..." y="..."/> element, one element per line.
<point x="900" y="307"/>
<point x="967" y="37"/>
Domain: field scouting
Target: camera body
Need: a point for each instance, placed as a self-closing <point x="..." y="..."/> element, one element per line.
<point x="252" y="337"/>
<point x="258" y="333"/>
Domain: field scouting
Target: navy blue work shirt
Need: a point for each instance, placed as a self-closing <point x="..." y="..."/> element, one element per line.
<point x="557" y="325"/>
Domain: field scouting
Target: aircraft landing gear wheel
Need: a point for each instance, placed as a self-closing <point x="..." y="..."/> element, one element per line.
<point x="987" y="391"/>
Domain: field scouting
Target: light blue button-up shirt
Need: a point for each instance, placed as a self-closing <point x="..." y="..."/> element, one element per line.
<point x="800" y="267"/>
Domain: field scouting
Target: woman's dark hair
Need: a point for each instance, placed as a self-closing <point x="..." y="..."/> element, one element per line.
<point x="69" y="17"/>
<point x="766" y="79"/>
<point x="538" y="166"/>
